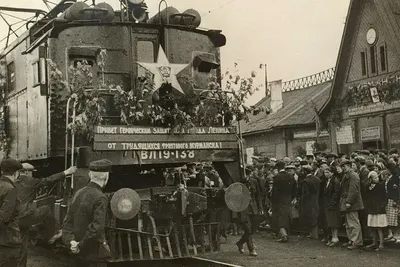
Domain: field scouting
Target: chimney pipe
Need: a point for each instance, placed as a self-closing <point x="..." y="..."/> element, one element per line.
<point x="276" y="95"/>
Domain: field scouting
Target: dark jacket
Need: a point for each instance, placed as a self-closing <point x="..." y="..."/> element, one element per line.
<point x="10" y="235"/>
<point x="27" y="188"/>
<point x="255" y="206"/>
<point x="331" y="195"/>
<point x="375" y="199"/>
<point x="85" y="221"/>
<point x="309" y="202"/>
<point x="283" y="192"/>
<point x="392" y="188"/>
<point x="351" y="192"/>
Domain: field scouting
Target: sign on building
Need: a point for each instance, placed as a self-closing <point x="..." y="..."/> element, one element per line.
<point x="344" y="135"/>
<point x="370" y="133"/>
<point x="249" y="154"/>
<point x="310" y="148"/>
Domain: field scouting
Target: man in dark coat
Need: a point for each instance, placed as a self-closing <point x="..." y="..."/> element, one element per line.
<point x="248" y="216"/>
<point x="84" y="225"/>
<point x="27" y="188"/>
<point x="283" y="192"/>
<point x="309" y="208"/>
<point x="10" y="237"/>
<point x="351" y="203"/>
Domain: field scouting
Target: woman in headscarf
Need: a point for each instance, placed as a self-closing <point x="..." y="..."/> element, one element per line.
<point x="331" y="195"/>
<point x="376" y="202"/>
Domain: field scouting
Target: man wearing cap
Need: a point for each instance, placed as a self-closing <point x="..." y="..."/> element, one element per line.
<point x="10" y="236"/>
<point x="247" y="217"/>
<point x="291" y="169"/>
<point x="309" y="208"/>
<point x="27" y="189"/>
<point x="331" y="158"/>
<point x="283" y="193"/>
<point x="84" y="225"/>
<point x="351" y="203"/>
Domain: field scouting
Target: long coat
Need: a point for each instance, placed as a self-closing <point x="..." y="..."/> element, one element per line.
<point x="85" y="221"/>
<point x="331" y="195"/>
<point x="309" y="207"/>
<point x="375" y="199"/>
<point x="351" y="192"/>
<point x="283" y="191"/>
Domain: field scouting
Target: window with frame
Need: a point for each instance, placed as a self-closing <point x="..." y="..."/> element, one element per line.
<point x="10" y="78"/>
<point x="145" y="53"/>
<point x="382" y="52"/>
<point x="363" y="64"/>
<point x="36" y="73"/>
<point x="373" y="59"/>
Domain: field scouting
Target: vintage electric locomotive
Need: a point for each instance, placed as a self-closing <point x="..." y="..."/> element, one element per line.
<point x="147" y="220"/>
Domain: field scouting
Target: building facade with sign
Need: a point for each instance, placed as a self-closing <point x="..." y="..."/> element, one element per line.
<point x="291" y="129"/>
<point x="364" y="107"/>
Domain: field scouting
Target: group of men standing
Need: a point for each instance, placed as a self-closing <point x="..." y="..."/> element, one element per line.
<point x="83" y="230"/>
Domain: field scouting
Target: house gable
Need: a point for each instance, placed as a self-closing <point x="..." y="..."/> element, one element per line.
<point x="369" y="60"/>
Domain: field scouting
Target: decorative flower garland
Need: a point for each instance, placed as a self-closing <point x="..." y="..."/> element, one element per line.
<point x="387" y="91"/>
<point x="143" y="105"/>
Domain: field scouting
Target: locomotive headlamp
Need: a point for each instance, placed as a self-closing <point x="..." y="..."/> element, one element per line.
<point x="125" y="204"/>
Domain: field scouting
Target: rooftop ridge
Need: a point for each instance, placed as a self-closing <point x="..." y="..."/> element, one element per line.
<point x="308" y="81"/>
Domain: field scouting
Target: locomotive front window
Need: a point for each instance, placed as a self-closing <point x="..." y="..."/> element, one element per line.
<point x="91" y="61"/>
<point x="145" y="53"/>
<point x="36" y="73"/>
<point x="10" y="77"/>
<point x="204" y="68"/>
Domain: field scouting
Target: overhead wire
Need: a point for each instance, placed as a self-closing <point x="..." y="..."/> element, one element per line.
<point x="221" y="6"/>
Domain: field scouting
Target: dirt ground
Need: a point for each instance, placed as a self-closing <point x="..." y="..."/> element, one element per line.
<point x="298" y="252"/>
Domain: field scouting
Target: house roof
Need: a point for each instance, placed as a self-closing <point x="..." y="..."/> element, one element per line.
<point x="388" y="11"/>
<point x="298" y="109"/>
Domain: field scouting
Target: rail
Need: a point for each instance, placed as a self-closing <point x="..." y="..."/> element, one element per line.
<point x="315" y="79"/>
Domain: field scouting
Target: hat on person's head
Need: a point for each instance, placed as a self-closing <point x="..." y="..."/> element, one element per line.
<point x="317" y="153"/>
<point x="102" y="165"/>
<point x="292" y="167"/>
<point x="307" y="168"/>
<point x="360" y="159"/>
<point x="303" y="162"/>
<point x="323" y="161"/>
<point x="369" y="163"/>
<point x="286" y="160"/>
<point x="331" y="155"/>
<point x="10" y="166"/>
<point x="365" y="152"/>
<point x="273" y="160"/>
<point x="28" y="167"/>
<point x="280" y="165"/>
<point x="393" y="151"/>
<point x="345" y="162"/>
<point x="372" y="174"/>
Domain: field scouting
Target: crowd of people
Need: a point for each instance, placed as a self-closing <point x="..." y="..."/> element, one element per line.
<point x="323" y="192"/>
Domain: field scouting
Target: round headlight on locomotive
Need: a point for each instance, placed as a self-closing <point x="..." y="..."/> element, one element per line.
<point x="125" y="204"/>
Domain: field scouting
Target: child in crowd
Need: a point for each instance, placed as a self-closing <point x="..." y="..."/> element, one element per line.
<point x="376" y="202"/>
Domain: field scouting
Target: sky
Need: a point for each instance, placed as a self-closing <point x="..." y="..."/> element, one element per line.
<point x="295" y="38"/>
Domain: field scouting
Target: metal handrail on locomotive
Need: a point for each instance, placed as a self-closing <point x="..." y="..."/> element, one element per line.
<point x="147" y="219"/>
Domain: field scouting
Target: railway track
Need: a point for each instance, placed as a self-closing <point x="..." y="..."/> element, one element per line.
<point x="181" y="262"/>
